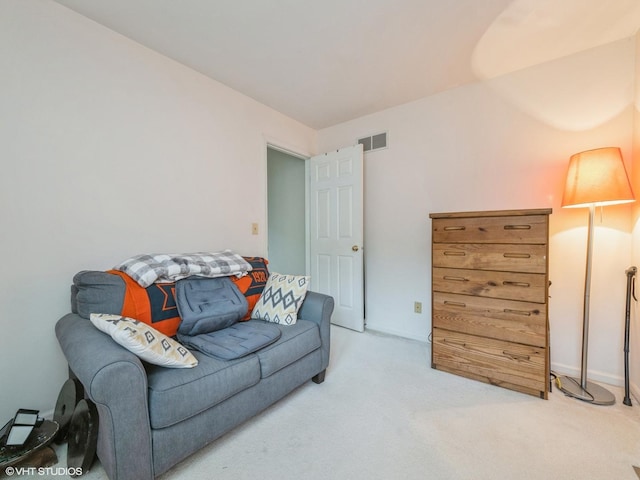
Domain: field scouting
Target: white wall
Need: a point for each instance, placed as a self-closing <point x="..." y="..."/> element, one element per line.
<point x="109" y="150"/>
<point x="501" y="143"/>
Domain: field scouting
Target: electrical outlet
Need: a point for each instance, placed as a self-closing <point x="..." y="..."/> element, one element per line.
<point x="417" y="307"/>
<point x="254" y="229"/>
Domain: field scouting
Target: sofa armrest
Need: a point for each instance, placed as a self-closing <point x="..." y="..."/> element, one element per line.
<point x="115" y="380"/>
<point x="318" y="308"/>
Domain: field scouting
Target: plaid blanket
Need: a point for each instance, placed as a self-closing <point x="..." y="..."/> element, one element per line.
<point x="164" y="267"/>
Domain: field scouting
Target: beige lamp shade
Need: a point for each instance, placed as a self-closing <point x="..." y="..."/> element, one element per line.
<point x="597" y="177"/>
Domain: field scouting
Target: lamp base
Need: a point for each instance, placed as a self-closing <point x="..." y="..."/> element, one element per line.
<point x="593" y="393"/>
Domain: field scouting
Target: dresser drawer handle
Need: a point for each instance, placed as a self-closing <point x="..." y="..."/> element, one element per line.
<point x="516" y="356"/>
<point x="454" y="227"/>
<point x="517" y="227"/>
<point x="517" y="255"/>
<point x="518" y="312"/>
<point x="455" y="304"/>
<point x="454" y="254"/>
<point x="516" y="284"/>
<point x="455" y="279"/>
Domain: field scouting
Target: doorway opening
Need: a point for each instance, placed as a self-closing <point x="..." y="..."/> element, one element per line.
<point x="286" y="212"/>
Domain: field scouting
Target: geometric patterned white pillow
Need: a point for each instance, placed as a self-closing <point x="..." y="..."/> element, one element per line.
<point x="281" y="298"/>
<point x="145" y="341"/>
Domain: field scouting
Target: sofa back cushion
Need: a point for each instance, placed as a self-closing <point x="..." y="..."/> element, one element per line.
<point x="208" y="304"/>
<point x="116" y="293"/>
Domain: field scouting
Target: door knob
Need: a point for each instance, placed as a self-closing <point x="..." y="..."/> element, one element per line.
<point x="355" y="248"/>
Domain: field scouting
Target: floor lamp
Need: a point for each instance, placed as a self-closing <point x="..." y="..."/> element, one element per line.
<point x="595" y="178"/>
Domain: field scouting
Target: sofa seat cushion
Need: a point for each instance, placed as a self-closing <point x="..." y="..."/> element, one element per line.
<point x="178" y="394"/>
<point x="297" y="340"/>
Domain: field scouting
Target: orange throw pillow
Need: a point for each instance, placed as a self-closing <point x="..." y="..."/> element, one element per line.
<point x="154" y="305"/>
<point x="252" y="284"/>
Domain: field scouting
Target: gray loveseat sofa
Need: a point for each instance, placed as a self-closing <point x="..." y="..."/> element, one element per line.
<point x="151" y="417"/>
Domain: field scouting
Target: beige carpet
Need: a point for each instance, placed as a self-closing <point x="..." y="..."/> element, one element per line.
<point x="383" y="413"/>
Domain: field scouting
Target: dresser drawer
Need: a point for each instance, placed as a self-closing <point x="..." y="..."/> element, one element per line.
<point x="511" y="229"/>
<point x="512" y="321"/>
<point x="492" y="360"/>
<point x="490" y="256"/>
<point x="526" y="287"/>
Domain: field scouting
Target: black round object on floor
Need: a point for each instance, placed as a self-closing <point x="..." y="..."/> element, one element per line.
<point x="70" y="394"/>
<point x="83" y="436"/>
<point x="39" y="438"/>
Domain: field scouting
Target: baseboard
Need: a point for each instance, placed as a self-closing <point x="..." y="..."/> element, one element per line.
<point x="48" y="415"/>
<point x="398" y="333"/>
<point x="596" y="376"/>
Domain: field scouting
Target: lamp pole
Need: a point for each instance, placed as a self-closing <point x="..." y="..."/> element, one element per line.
<point x="587" y="298"/>
<point x="583" y="389"/>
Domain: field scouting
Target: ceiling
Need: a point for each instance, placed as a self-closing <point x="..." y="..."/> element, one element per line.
<point x="325" y="62"/>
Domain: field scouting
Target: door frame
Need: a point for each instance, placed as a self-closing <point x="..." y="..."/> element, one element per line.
<point x="295" y="151"/>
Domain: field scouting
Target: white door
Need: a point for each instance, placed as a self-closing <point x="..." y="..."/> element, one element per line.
<point x="336" y="232"/>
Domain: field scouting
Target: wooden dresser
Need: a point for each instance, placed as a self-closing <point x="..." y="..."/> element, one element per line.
<point x="490" y="290"/>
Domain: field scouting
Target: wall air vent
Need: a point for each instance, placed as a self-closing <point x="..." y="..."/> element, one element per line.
<point x="374" y="142"/>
